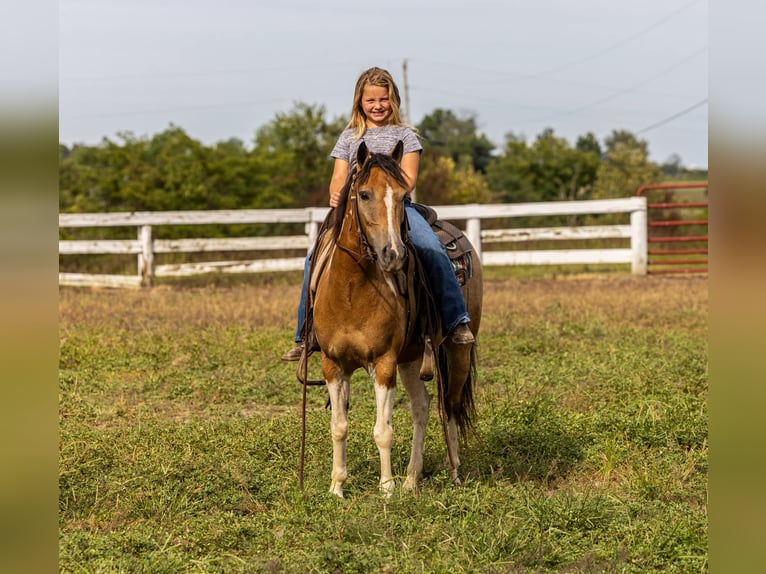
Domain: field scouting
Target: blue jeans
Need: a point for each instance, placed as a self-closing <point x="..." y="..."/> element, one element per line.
<point x="304" y="291"/>
<point x="438" y="269"/>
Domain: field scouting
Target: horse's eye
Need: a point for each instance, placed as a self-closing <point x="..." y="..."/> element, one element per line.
<point x="365" y="195"/>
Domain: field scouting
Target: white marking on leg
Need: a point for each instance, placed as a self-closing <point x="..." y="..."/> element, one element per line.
<point x="338" y="391"/>
<point x="384" y="433"/>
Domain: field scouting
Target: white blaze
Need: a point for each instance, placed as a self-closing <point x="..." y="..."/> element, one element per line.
<point x="389" y="201"/>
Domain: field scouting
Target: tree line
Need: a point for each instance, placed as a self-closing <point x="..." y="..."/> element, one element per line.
<point x="288" y="165"/>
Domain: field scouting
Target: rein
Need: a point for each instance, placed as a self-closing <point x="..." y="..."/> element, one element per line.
<point x="364" y="252"/>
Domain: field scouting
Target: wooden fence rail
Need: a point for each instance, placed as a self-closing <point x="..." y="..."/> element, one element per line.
<point x="145" y="247"/>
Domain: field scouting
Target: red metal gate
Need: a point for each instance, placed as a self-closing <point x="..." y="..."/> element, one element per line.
<point x="667" y="225"/>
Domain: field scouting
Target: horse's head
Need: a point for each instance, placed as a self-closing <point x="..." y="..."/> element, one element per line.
<point x="379" y="191"/>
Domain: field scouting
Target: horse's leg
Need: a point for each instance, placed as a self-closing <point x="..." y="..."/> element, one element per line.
<point x="338" y="388"/>
<point x="384" y="379"/>
<point x="453" y="455"/>
<point x="459" y="368"/>
<point x="419" y="403"/>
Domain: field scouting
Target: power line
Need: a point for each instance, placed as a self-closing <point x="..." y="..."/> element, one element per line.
<point x="577" y="62"/>
<point x="630" y="89"/>
<point x="673" y="117"/>
<point x="616" y="45"/>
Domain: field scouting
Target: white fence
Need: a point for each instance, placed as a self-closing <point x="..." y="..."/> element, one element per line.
<point x="145" y="247"/>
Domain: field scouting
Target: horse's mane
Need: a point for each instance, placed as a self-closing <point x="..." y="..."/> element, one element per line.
<point x="385" y="162"/>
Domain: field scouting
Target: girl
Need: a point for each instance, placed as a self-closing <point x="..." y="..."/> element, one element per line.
<point x="376" y="120"/>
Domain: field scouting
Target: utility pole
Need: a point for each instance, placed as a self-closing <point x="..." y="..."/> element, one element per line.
<point x="406" y="94"/>
<point x="406" y="90"/>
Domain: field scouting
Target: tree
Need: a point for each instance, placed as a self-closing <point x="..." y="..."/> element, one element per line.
<point x="548" y="170"/>
<point x="456" y="137"/>
<point x="294" y="149"/>
<point x="441" y="181"/>
<point x="167" y="172"/>
<point x="625" y="166"/>
<point x="509" y="176"/>
<point x="108" y="177"/>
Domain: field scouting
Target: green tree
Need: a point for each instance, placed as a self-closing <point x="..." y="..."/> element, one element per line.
<point x="456" y="137"/>
<point x="294" y="149"/>
<point x="548" y="170"/>
<point x="625" y="166"/>
<point x="509" y="175"/>
<point x="441" y="181"/>
<point x="673" y="166"/>
<point x="169" y="171"/>
<point x="108" y="177"/>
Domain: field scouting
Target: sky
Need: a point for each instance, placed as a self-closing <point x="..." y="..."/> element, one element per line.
<point x="223" y="68"/>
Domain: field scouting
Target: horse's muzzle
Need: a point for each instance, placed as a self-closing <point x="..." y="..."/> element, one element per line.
<point x="392" y="257"/>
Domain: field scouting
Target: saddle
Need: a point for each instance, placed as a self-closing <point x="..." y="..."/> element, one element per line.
<point x="459" y="249"/>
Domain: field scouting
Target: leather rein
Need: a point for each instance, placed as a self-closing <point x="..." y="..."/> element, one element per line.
<point x="363" y="251"/>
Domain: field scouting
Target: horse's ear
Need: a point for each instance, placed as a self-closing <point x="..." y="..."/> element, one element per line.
<point x="362" y="155"/>
<point x="398" y="151"/>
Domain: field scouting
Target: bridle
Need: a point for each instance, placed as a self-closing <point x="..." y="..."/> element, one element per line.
<point x="362" y="251"/>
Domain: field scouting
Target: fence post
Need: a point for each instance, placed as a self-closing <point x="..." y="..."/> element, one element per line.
<point x="146" y="257"/>
<point x="639" y="243"/>
<point x="311" y="227"/>
<point x="473" y="232"/>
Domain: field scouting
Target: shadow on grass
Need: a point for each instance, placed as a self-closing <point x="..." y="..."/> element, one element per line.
<point x="529" y="441"/>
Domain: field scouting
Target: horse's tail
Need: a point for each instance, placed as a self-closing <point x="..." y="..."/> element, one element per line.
<point x="462" y="411"/>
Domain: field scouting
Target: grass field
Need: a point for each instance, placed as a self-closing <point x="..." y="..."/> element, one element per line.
<point x="180" y="434"/>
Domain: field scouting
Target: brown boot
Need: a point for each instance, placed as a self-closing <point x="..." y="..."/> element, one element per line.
<point x="461" y="335"/>
<point x="293" y="354"/>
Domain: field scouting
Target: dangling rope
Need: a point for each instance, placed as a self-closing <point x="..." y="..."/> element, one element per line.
<point x="303" y="428"/>
<point x="304" y="379"/>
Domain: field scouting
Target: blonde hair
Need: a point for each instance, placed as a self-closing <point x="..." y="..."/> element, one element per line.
<point x="374" y="77"/>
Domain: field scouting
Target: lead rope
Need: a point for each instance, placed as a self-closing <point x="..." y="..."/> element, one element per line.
<point x="304" y="380"/>
<point x="303" y="426"/>
<point x="305" y="332"/>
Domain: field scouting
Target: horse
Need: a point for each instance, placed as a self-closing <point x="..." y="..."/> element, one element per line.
<point x="363" y="313"/>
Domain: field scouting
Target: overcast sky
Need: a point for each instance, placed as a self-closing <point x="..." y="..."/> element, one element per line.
<point x="223" y="68"/>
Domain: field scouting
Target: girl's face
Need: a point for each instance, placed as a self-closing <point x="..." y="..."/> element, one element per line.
<point x="376" y="106"/>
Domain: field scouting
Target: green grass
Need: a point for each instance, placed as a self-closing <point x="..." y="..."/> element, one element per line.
<point x="180" y="434"/>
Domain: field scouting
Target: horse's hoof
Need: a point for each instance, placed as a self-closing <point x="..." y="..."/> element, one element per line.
<point x="410" y="484"/>
<point x="387" y="488"/>
<point x="337" y="490"/>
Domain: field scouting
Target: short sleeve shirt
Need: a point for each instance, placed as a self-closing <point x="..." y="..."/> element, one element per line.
<point x="378" y="140"/>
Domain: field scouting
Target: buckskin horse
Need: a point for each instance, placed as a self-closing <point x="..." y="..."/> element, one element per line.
<point x="366" y="316"/>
